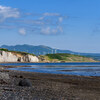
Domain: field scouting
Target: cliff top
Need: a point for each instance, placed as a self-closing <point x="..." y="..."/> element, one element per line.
<point x="18" y="52"/>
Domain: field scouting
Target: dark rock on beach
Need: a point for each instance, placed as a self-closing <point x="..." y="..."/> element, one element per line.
<point x="25" y="82"/>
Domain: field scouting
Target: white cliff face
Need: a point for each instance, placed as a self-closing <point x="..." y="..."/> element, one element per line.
<point x="30" y="58"/>
<point x="7" y="57"/>
<point x="12" y="57"/>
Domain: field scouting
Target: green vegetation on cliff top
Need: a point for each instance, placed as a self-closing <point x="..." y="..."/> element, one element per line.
<point x="19" y="52"/>
<point x="64" y="57"/>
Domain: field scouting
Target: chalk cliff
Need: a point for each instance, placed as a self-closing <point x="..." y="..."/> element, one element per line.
<point x="6" y="56"/>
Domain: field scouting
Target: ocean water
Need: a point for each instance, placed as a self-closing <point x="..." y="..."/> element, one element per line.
<point x="80" y="69"/>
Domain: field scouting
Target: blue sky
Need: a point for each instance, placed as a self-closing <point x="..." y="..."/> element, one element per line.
<point x="64" y="24"/>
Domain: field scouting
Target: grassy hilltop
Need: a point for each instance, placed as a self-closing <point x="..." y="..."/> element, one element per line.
<point x="64" y="57"/>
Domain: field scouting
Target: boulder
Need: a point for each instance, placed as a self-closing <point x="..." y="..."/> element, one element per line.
<point x="25" y="83"/>
<point x="4" y="77"/>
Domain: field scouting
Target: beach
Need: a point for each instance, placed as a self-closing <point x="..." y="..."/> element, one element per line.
<point x="48" y="86"/>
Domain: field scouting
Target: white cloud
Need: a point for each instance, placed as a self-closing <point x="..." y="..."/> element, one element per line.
<point x="22" y="31"/>
<point x="44" y="23"/>
<point x="50" y="30"/>
<point x="8" y="12"/>
<point x="51" y="14"/>
<point x="60" y="19"/>
<point x="46" y="30"/>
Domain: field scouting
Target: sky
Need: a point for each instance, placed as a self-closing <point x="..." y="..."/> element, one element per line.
<point x="63" y="24"/>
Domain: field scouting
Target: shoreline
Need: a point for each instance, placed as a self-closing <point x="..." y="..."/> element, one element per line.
<point x="50" y="86"/>
<point x="51" y="62"/>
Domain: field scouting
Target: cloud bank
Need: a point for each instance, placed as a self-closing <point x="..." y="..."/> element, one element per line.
<point x="39" y="23"/>
<point x="8" y="12"/>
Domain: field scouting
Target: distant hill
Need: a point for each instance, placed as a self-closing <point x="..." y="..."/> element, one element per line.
<point x="37" y="50"/>
<point x="43" y="50"/>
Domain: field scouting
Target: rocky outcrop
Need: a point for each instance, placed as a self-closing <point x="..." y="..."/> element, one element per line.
<point x="30" y="58"/>
<point x="6" y="56"/>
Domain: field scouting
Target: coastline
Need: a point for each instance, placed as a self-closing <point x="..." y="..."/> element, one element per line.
<point x="50" y="86"/>
<point x="46" y="62"/>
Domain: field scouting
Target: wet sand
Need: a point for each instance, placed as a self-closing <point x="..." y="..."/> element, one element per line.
<point x="49" y="87"/>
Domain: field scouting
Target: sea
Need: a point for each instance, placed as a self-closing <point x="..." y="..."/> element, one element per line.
<point x="70" y="68"/>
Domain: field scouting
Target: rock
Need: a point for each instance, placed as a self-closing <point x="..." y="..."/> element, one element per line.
<point x="21" y="76"/>
<point x="6" y="56"/>
<point x="30" y="58"/>
<point x="25" y="82"/>
<point x="4" y="77"/>
<point x="18" y="76"/>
